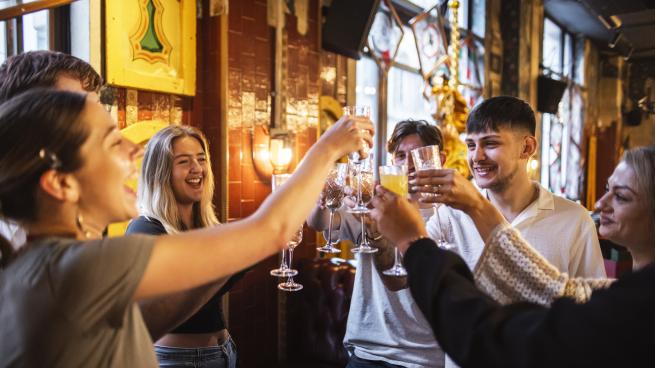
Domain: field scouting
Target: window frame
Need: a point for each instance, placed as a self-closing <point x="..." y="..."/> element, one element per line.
<point x="59" y="35"/>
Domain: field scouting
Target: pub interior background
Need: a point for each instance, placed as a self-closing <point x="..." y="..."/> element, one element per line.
<point x="252" y="72"/>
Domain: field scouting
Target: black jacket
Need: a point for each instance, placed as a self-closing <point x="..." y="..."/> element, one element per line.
<point x="616" y="328"/>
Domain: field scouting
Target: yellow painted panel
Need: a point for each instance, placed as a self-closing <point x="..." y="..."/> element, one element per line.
<point x="172" y="69"/>
<point x="138" y="133"/>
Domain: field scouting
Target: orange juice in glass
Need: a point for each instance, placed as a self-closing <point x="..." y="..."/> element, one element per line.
<point x="394" y="178"/>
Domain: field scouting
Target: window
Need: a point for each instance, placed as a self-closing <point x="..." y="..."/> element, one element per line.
<point x="405" y="85"/>
<point x="36" y="33"/>
<point x="562" y="58"/>
<point x="41" y="28"/>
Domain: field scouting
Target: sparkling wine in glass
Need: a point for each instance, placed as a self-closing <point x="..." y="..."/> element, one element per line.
<point x="394" y="178"/>
<point x="358" y="112"/>
<point x="365" y="184"/>
<point x="428" y="158"/>
<point x="289" y="284"/>
<point x="277" y="180"/>
<point x="333" y="194"/>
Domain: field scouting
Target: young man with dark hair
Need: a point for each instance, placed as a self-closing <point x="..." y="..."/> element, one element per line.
<point x="501" y="140"/>
<point x="385" y="329"/>
<point x="45" y="69"/>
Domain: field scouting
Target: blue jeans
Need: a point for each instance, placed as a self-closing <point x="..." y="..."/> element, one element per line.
<point x="356" y="362"/>
<point x="221" y="356"/>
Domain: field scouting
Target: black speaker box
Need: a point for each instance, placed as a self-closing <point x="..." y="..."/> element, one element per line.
<point x="549" y="94"/>
<point x="346" y="26"/>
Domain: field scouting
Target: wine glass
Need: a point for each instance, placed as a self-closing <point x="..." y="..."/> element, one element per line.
<point x="291" y="285"/>
<point x="333" y="194"/>
<point x="358" y="112"/>
<point x="428" y="158"/>
<point x="365" y="184"/>
<point x="283" y="271"/>
<point x="394" y="178"/>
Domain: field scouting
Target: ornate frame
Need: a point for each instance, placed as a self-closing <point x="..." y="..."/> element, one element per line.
<point x="151" y="45"/>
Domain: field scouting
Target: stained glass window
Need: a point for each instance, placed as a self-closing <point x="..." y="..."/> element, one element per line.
<point x="562" y="56"/>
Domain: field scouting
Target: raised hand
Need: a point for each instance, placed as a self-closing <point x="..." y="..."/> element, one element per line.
<point x="448" y="187"/>
<point x="397" y="219"/>
<point x="347" y="135"/>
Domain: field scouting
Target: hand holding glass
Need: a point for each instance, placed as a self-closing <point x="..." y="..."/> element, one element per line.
<point x="429" y="158"/>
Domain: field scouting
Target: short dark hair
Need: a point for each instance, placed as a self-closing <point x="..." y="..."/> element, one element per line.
<point x="501" y="112"/>
<point x="32" y="69"/>
<point x="429" y="134"/>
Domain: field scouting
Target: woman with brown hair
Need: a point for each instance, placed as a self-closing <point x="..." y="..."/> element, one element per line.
<point x="67" y="298"/>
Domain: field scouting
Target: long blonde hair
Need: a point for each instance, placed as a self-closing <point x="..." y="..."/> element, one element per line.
<point x="155" y="195"/>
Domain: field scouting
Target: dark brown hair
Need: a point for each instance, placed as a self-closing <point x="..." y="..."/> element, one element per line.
<point x="501" y="112"/>
<point x="429" y="134"/>
<point x="32" y="69"/>
<point x="39" y="130"/>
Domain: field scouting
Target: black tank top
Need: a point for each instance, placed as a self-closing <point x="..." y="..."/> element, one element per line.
<point x="210" y="317"/>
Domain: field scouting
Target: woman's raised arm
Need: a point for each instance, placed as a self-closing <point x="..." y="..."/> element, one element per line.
<point x="182" y="261"/>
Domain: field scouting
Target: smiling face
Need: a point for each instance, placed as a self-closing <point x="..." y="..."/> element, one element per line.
<point x="625" y="217"/>
<point x="109" y="163"/>
<point x="496" y="157"/>
<point x="189" y="170"/>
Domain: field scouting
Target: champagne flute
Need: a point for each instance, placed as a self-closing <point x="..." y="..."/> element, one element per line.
<point x="333" y="194"/>
<point x="365" y="185"/>
<point x="291" y="285"/>
<point x="394" y="178"/>
<point x="358" y="112"/>
<point x="428" y="158"/>
<point x="283" y="271"/>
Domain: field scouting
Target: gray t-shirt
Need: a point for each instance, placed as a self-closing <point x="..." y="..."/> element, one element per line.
<point x="385" y="325"/>
<point x="67" y="303"/>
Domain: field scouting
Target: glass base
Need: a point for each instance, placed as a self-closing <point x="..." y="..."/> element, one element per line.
<point x="278" y="272"/>
<point x="358" y="209"/>
<point x="328" y="249"/>
<point x="396" y="271"/>
<point x="289" y="286"/>
<point x="364" y="249"/>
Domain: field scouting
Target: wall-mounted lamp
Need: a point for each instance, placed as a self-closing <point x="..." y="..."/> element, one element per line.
<point x="280" y="155"/>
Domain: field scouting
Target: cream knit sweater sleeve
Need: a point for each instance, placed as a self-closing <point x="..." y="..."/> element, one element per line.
<point x="510" y="270"/>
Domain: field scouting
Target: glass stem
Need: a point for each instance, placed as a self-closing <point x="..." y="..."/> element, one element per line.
<point x="364" y="240"/>
<point x="442" y="240"/>
<point x="290" y="279"/>
<point x="283" y="264"/>
<point x="359" y="185"/>
<point x="395" y="258"/>
<point x="329" y="241"/>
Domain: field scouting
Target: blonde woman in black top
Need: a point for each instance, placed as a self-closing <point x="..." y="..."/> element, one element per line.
<point x="176" y="188"/>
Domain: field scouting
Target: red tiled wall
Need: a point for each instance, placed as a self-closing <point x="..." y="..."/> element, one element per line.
<point x="254" y="301"/>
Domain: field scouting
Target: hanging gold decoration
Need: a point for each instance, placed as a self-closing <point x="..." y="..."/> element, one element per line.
<point x="452" y="109"/>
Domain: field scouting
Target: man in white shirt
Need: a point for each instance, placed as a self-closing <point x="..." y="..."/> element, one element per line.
<point x="501" y="140"/>
<point x="385" y="328"/>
